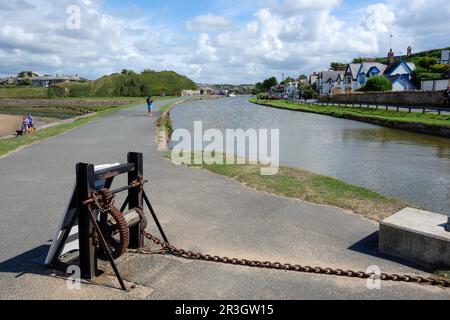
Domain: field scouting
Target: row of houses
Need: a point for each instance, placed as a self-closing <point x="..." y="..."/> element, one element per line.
<point x="38" y="80"/>
<point x="356" y="75"/>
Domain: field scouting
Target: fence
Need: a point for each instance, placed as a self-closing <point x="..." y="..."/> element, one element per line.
<point x="387" y="107"/>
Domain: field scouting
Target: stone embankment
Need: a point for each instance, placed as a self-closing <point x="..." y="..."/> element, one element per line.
<point x="405" y="98"/>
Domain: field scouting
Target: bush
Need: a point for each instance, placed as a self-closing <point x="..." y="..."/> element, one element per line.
<point x="263" y="96"/>
<point x="378" y="83"/>
<point x="25" y="82"/>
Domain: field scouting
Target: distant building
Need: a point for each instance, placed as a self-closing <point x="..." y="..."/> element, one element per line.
<point x="8" y="81"/>
<point x="27" y="75"/>
<point x="313" y="79"/>
<point x="434" y="84"/>
<point x="291" y="88"/>
<point x="48" y="81"/>
<point x="329" y="80"/>
<point x="445" y="57"/>
<point x="189" y="93"/>
<point x="207" y="91"/>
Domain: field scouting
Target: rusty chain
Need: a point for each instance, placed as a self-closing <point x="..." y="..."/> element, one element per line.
<point x="107" y="199"/>
<point x="189" y="255"/>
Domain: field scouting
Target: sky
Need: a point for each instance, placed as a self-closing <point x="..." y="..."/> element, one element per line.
<point x="211" y="41"/>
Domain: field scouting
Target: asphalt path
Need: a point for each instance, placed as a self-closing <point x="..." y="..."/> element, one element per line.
<point x="200" y="211"/>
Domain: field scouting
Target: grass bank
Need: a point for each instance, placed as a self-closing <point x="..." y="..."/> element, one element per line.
<point x="313" y="188"/>
<point x="413" y="121"/>
<point x="11" y="144"/>
<point x="23" y="92"/>
<point x="164" y="123"/>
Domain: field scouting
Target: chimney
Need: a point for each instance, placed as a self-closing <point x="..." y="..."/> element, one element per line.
<point x="391" y="57"/>
<point x="409" y="51"/>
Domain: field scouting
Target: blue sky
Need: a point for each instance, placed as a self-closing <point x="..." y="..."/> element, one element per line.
<point x="212" y="41"/>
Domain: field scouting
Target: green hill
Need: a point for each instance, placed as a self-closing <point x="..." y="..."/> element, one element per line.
<point x="127" y="84"/>
<point x="434" y="54"/>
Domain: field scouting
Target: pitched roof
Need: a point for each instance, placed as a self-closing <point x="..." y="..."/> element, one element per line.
<point x="366" y="66"/>
<point x="333" y="75"/>
<point x="392" y="67"/>
<point x="354" y="68"/>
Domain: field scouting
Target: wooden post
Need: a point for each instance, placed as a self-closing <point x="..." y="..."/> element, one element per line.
<point x="85" y="182"/>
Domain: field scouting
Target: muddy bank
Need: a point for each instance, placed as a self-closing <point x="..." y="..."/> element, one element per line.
<point x="9" y="124"/>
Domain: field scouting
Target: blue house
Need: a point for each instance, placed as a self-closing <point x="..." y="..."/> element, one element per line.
<point x="400" y="74"/>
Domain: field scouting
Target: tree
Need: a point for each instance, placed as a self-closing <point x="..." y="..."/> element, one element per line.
<point x="421" y="73"/>
<point x="338" y="66"/>
<point x="269" y="83"/>
<point x="307" y="91"/>
<point x="427" y="62"/>
<point x="378" y="83"/>
<point x="258" y="88"/>
<point x="287" y="80"/>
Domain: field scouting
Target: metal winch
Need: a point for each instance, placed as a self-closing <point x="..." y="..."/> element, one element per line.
<point x="103" y="230"/>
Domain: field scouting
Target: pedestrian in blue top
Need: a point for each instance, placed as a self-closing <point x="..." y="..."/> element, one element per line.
<point x="150" y="105"/>
<point x="30" y="120"/>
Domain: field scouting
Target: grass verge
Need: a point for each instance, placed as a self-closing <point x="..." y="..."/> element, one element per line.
<point x="11" y="144"/>
<point x="442" y="274"/>
<point x="362" y="113"/>
<point x="311" y="187"/>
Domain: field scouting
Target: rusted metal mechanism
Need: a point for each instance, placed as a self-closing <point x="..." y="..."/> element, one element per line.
<point x="104" y="231"/>
<point x="185" y="254"/>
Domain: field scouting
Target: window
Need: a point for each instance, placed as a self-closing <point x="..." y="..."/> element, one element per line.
<point x="362" y="78"/>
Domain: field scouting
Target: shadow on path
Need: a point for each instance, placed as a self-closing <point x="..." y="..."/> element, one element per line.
<point x="369" y="246"/>
<point x="26" y="262"/>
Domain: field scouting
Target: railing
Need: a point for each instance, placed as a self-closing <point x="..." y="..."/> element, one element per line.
<point x="397" y="108"/>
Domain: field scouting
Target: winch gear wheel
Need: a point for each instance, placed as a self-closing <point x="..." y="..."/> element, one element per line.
<point x="116" y="232"/>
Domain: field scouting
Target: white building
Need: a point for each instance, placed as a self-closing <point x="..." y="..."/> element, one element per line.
<point x="47" y="81"/>
<point x="357" y="74"/>
<point x="434" y="84"/>
<point x="330" y="81"/>
<point x="445" y="57"/>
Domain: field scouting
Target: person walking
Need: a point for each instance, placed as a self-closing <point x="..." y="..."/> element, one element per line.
<point x="150" y="105"/>
<point x="25" y="124"/>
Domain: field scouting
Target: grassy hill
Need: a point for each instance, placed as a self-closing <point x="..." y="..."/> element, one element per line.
<point x="127" y="84"/>
<point x="415" y="57"/>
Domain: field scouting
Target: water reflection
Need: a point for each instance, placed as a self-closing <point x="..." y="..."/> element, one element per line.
<point x="406" y="165"/>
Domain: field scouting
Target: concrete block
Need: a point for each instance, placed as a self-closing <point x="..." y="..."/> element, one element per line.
<point x="417" y="236"/>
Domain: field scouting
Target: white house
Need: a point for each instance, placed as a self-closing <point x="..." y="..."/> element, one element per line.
<point x="400" y="74"/>
<point x="330" y="81"/>
<point x="357" y="74"/>
<point x="445" y="57"/>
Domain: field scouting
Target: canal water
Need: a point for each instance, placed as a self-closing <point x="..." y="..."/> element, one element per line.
<point x="409" y="166"/>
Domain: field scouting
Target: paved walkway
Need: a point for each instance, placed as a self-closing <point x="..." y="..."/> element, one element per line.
<point x="200" y="211"/>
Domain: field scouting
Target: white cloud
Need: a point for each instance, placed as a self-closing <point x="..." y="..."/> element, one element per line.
<point x="209" y="23"/>
<point x="281" y="36"/>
